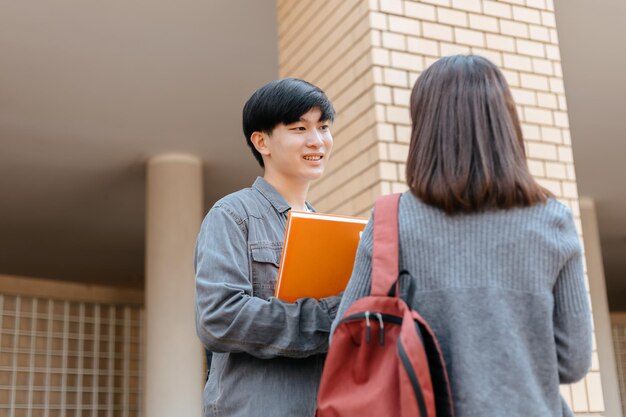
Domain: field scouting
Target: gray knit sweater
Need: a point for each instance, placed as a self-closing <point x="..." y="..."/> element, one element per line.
<point x="505" y="295"/>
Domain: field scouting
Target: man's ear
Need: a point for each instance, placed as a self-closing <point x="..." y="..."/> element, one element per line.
<point x="260" y="141"/>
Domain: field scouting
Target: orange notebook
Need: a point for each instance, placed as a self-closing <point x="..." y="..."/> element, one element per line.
<point x="318" y="255"/>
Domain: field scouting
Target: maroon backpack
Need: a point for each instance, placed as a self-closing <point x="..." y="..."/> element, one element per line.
<point x="384" y="359"/>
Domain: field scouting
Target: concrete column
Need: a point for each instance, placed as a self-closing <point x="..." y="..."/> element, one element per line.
<point x="174" y="367"/>
<point x="602" y="320"/>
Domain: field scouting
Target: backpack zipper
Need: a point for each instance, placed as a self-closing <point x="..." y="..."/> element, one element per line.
<point x="382" y="318"/>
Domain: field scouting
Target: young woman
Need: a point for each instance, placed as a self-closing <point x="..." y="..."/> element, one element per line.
<point x="489" y="258"/>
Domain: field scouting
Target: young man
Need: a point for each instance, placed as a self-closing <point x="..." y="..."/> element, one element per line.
<point x="267" y="354"/>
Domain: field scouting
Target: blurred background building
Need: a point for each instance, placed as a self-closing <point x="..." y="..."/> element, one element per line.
<point x="120" y="126"/>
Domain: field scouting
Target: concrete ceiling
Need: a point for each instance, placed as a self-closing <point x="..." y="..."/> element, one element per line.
<point x="591" y="36"/>
<point x="88" y="92"/>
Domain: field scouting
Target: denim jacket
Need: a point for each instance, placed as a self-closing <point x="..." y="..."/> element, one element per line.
<point x="267" y="354"/>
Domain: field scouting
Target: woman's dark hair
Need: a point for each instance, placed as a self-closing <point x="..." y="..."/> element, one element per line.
<point x="467" y="151"/>
<point x="282" y="101"/>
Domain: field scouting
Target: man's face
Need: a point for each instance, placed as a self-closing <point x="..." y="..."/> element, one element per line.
<point x="300" y="150"/>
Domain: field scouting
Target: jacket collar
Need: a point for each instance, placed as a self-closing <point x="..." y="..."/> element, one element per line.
<point x="277" y="201"/>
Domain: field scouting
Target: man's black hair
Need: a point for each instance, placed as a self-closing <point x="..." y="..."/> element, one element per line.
<point x="282" y="101"/>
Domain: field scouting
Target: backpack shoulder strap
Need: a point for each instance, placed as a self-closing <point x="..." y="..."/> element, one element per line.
<point x="385" y="255"/>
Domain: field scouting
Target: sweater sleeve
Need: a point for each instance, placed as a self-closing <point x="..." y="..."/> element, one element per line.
<point x="572" y="316"/>
<point x="360" y="282"/>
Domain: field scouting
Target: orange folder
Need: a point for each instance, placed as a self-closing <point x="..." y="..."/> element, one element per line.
<point x="318" y="255"/>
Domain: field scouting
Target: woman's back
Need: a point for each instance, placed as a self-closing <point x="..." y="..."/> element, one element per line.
<point x="491" y="260"/>
<point x="504" y="292"/>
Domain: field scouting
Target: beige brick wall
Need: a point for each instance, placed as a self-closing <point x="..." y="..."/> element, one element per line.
<point x="329" y="43"/>
<point x="367" y="54"/>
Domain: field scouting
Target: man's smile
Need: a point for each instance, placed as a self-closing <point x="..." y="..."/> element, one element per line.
<point x="313" y="157"/>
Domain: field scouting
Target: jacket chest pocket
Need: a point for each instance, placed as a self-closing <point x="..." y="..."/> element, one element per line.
<point x="265" y="259"/>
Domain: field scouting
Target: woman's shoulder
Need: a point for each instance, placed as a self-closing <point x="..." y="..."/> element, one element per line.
<point x="552" y="211"/>
<point x="555" y="206"/>
<point x="410" y="201"/>
<point x="555" y="211"/>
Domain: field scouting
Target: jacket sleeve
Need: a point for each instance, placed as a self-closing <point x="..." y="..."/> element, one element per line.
<point x="572" y="316"/>
<point x="230" y="319"/>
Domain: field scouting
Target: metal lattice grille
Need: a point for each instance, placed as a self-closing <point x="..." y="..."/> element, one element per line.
<point x="619" y="339"/>
<point x="62" y="358"/>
